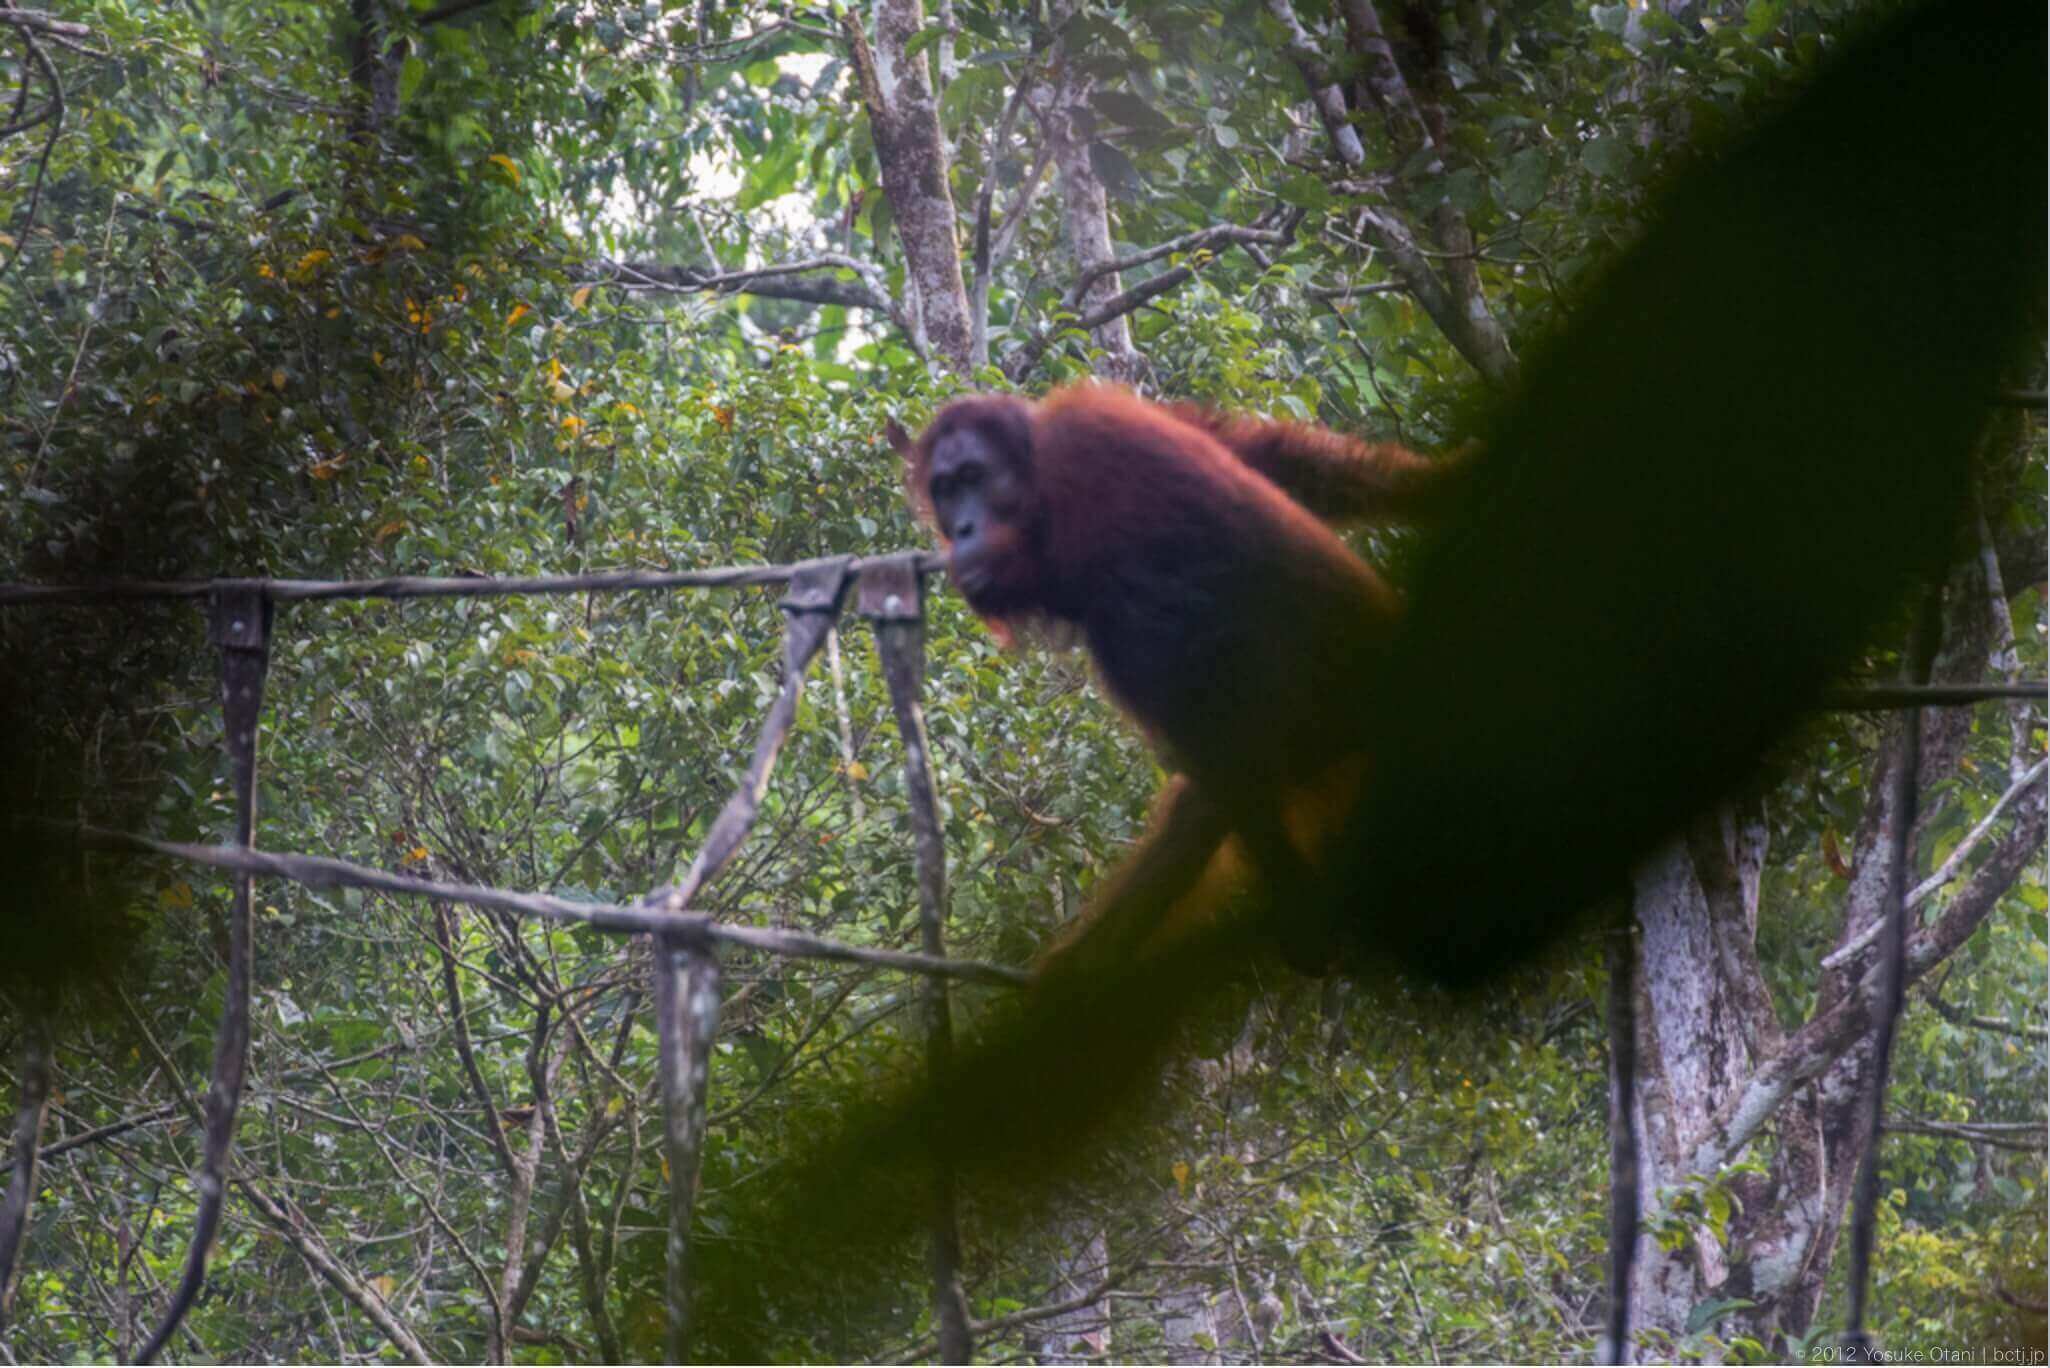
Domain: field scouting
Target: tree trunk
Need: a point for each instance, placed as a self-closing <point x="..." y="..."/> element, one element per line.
<point x="1085" y="215"/>
<point x="903" y="113"/>
<point x="1081" y="1335"/>
<point x="373" y="71"/>
<point x="1717" y="1071"/>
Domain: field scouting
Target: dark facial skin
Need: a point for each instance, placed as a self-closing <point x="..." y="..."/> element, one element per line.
<point x="979" y="501"/>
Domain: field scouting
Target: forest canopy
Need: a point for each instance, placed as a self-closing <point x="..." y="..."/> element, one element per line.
<point x="488" y="289"/>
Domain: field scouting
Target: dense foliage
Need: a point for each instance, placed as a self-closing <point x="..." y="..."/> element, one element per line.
<point x="345" y="292"/>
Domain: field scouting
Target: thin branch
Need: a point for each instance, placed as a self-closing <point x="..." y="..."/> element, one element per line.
<point x="1901" y="805"/>
<point x="300" y="1234"/>
<point x="1410" y="262"/>
<point x="770" y="282"/>
<point x="81" y="1139"/>
<point x="1328" y="99"/>
<point x="241" y="631"/>
<point x="1887" y="696"/>
<point x="1021" y="206"/>
<point x="99" y="1133"/>
<point x="2001" y="655"/>
<point x="85" y="333"/>
<point x="846" y="727"/>
<point x="1327" y="294"/>
<point x="31" y="1106"/>
<point x="21" y="97"/>
<point x="320" y="871"/>
<point x="25" y="123"/>
<point x="1957" y="1016"/>
<point x="984" y="259"/>
<point x="1416" y="125"/>
<point x="40" y="22"/>
<point x="1818" y="1043"/>
<point x="727" y="49"/>
<point x="983" y="1329"/>
<point x="2020" y="1135"/>
<point x="1223" y="234"/>
<point x="416" y="586"/>
<point x="1124" y="302"/>
<point x="1949" y="870"/>
<point x="2032" y="1304"/>
<point x="459" y="1025"/>
<point x="1951" y="866"/>
<point x="681" y="279"/>
<point x="441" y="14"/>
<point x="1028" y="352"/>
<point x="423" y="1201"/>
<point x="42" y="63"/>
<point x="1373" y="187"/>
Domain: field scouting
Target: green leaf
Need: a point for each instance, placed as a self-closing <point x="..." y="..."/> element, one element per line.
<point x="1305" y="191"/>
<point x="1121" y="106"/>
<point x="1607" y="157"/>
<point x="1115" y="170"/>
<point x="1523" y="183"/>
<point x="1464" y="189"/>
<point x="772" y="177"/>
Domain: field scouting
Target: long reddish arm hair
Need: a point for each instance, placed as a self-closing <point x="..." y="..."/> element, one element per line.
<point x="1341" y="479"/>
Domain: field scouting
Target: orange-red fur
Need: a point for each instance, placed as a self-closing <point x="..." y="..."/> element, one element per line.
<point x="1223" y="614"/>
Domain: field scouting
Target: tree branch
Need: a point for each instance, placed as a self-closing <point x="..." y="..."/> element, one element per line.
<point x="1877" y="696"/>
<point x="319" y="871"/>
<point x="424" y="586"/>
<point x="441" y="14"/>
<point x="773" y="282"/>
<point x="1327" y="98"/>
<point x="301" y="1236"/>
<point x="1812" y="1049"/>
<point x="1957" y="1016"/>
<point x="770" y="282"/>
<point x="55" y="109"/>
<point x="2024" y="1135"/>
<point x="40" y="22"/>
<point x="984" y="258"/>
<point x="1223" y="234"/>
